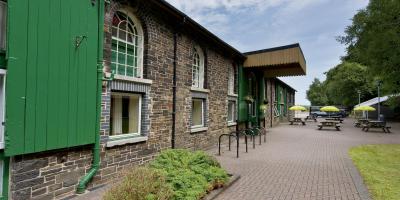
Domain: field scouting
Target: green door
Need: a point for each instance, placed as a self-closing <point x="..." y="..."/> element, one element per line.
<point x="51" y="74"/>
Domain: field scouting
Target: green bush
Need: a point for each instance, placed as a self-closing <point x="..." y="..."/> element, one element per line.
<point x="174" y="174"/>
<point x="191" y="174"/>
<point x="141" y="184"/>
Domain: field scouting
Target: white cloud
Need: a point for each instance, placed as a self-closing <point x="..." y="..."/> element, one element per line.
<point x="257" y="24"/>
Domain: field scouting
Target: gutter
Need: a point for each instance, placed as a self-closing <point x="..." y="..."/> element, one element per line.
<point x="96" y="148"/>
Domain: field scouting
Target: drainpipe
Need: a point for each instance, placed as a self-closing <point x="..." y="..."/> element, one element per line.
<point x="177" y="29"/>
<point x="96" y="149"/>
<point x="174" y="92"/>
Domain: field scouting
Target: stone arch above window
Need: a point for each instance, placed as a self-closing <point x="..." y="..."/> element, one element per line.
<point x="127" y="44"/>
<point x="198" y="68"/>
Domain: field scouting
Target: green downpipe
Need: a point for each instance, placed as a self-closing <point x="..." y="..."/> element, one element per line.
<point x="96" y="149"/>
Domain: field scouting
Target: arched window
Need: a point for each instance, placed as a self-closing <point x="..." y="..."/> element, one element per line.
<point x="198" y="68"/>
<point x="231" y="80"/>
<point x="127" y="45"/>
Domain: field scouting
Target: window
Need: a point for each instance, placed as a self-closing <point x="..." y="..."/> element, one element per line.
<point x="198" y="68"/>
<point x="253" y="94"/>
<point x="3" y="24"/>
<point x="231" y="111"/>
<point x="125" y="114"/>
<point x="231" y="80"/>
<point x="197" y="113"/>
<point x="253" y="109"/>
<point x="127" y="45"/>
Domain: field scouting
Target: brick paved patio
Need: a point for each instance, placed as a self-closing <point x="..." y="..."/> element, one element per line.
<point x="300" y="162"/>
<point x="297" y="162"/>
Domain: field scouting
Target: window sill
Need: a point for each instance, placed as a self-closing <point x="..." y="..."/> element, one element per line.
<point x="131" y="79"/>
<point x="200" y="129"/>
<point x="122" y="141"/>
<point x="195" y="89"/>
<point x="232" y="124"/>
<point x="233" y="95"/>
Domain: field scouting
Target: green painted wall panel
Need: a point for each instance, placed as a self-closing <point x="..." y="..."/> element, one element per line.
<point x="261" y="96"/>
<point x="243" y="92"/>
<point x="51" y="83"/>
<point x="16" y="89"/>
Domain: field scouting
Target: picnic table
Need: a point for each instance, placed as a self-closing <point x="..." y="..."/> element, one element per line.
<point x="334" y="119"/>
<point x="311" y="117"/>
<point x="333" y="124"/>
<point x="360" y="122"/>
<point x="297" y="120"/>
<point x="376" y="124"/>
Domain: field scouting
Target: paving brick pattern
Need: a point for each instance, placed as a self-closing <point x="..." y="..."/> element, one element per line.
<point x="300" y="162"/>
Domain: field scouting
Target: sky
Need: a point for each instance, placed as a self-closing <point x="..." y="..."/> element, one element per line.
<point x="314" y="24"/>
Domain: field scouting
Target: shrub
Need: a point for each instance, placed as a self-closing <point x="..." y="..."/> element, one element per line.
<point x="174" y="174"/>
<point x="141" y="184"/>
<point x="191" y="174"/>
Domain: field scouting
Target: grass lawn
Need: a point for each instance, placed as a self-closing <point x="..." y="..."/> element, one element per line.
<point x="379" y="166"/>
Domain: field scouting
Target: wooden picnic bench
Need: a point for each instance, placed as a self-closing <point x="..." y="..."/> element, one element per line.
<point x="360" y="122"/>
<point x="335" y="119"/>
<point x="297" y="120"/>
<point x="376" y="124"/>
<point x="329" y="124"/>
<point x="311" y="117"/>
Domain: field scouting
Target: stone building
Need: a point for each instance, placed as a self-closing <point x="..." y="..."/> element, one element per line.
<point x="163" y="81"/>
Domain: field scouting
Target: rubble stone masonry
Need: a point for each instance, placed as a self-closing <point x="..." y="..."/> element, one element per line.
<point x="55" y="174"/>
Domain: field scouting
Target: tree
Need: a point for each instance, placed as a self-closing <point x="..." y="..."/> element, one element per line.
<point x="373" y="39"/>
<point x="316" y="93"/>
<point x="341" y="86"/>
<point x="343" y="81"/>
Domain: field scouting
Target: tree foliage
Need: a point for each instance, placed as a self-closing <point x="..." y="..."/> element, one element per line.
<point x="341" y="86"/>
<point x="344" y="81"/>
<point x="373" y="39"/>
<point x="316" y="94"/>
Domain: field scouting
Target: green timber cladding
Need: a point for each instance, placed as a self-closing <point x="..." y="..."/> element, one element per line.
<point x="51" y="75"/>
<point x="268" y="64"/>
<point x="251" y="85"/>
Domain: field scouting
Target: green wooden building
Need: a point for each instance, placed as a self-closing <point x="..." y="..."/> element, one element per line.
<point x="264" y="99"/>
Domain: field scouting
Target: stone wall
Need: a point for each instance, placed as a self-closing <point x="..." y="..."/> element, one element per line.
<point x="55" y="174"/>
<point x="216" y="71"/>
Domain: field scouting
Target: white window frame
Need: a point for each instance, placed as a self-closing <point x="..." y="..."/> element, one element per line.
<point x="3" y="25"/>
<point x="140" y="45"/>
<point x="198" y="68"/>
<point x="2" y="105"/>
<point x="276" y="111"/>
<point x="128" y="135"/>
<point x="233" y="112"/>
<point x="202" y="113"/>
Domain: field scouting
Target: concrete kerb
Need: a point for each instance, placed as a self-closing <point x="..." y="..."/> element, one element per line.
<point x="214" y="194"/>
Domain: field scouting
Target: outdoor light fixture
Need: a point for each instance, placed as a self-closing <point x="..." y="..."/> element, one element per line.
<point x="3" y="23"/>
